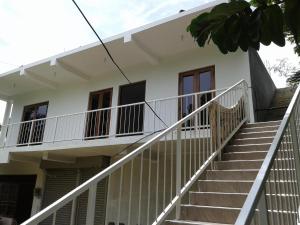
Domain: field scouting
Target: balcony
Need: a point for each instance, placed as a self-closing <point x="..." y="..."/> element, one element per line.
<point x="117" y="125"/>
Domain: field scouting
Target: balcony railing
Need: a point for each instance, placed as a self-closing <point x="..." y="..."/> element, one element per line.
<point x="114" y="122"/>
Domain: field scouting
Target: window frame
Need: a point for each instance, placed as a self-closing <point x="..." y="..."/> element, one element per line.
<point x="196" y="83"/>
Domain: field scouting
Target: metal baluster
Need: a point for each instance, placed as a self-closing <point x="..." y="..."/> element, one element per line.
<point x="171" y="164"/>
<point x="129" y="123"/>
<point x="190" y="147"/>
<point x="286" y="174"/>
<point x="54" y="218"/>
<point x="125" y="119"/>
<point x="130" y="192"/>
<point x="284" y="182"/>
<point x="157" y="181"/>
<point x="184" y="157"/>
<point x="292" y="170"/>
<point x="178" y="171"/>
<point x="194" y="141"/>
<point x="277" y="183"/>
<point x="90" y="214"/>
<point x="262" y="207"/>
<point x="140" y="188"/>
<point x="270" y="206"/>
<point x="149" y="187"/>
<point x="275" y="190"/>
<point x="120" y="195"/>
<point x="133" y="126"/>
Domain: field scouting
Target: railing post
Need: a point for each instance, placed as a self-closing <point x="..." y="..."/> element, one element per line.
<point x="263" y="211"/>
<point x="295" y="145"/>
<point x="113" y="121"/>
<point x="30" y="133"/>
<point x="218" y="130"/>
<point x="178" y="171"/>
<point x="85" y="116"/>
<point x="90" y="214"/>
<point x="55" y="129"/>
<point x="247" y="106"/>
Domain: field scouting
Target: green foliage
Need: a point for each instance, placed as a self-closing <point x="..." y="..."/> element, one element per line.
<point x="238" y="24"/>
<point x="294" y="79"/>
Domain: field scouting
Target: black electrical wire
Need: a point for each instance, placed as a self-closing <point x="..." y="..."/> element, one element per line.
<point x="112" y="59"/>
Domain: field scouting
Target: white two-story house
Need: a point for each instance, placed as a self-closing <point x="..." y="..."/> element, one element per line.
<point x="71" y="115"/>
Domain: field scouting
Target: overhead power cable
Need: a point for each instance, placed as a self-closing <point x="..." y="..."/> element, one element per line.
<point x="112" y="59"/>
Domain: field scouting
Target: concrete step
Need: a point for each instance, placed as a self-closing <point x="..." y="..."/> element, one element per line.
<point x="244" y="155"/>
<point x="245" y="141"/>
<point x="231" y="174"/>
<point x="235" y="200"/>
<point x="209" y="214"/>
<point x="262" y="124"/>
<point x="183" y="222"/>
<point x="238" y="164"/>
<point x="259" y="129"/>
<point x="248" y="147"/>
<point x="257" y="134"/>
<point x="225" y="186"/>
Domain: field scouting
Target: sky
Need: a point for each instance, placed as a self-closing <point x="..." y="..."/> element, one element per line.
<point x="36" y="29"/>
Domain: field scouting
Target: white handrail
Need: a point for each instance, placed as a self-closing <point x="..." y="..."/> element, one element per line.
<point x="248" y="210"/>
<point x="176" y="128"/>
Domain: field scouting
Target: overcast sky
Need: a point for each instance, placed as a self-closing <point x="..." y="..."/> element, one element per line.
<point x="36" y="29"/>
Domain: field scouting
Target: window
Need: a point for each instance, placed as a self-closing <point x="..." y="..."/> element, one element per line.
<point x="192" y="82"/>
<point x="131" y="118"/>
<point x="98" y="117"/>
<point x="32" y="132"/>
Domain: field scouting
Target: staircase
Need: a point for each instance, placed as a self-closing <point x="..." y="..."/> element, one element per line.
<point x="222" y="191"/>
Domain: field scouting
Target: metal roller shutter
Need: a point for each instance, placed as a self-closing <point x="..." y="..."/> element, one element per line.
<point x="85" y="174"/>
<point x="60" y="182"/>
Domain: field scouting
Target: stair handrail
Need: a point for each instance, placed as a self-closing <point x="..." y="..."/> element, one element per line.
<point x="90" y="184"/>
<point x="253" y="199"/>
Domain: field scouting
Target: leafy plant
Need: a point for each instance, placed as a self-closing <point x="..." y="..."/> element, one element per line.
<point x="242" y="24"/>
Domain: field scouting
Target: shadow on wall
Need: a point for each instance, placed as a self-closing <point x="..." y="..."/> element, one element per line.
<point x="263" y="87"/>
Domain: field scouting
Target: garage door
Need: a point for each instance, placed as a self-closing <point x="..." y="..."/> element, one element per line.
<point x="60" y="182"/>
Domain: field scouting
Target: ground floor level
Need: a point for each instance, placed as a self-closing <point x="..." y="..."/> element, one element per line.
<point x="27" y="187"/>
<point x="134" y="194"/>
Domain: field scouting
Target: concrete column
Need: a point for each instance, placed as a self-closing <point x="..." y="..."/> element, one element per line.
<point x="7" y="111"/>
<point x="5" y="121"/>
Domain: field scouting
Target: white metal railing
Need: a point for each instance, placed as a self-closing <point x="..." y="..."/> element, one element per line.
<point x="274" y="196"/>
<point x="130" y="119"/>
<point x="148" y="185"/>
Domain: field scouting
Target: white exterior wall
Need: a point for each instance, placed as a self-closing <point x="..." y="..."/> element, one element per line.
<point x="161" y="81"/>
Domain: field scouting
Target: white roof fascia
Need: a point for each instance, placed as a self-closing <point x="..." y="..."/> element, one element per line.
<point x="124" y="35"/>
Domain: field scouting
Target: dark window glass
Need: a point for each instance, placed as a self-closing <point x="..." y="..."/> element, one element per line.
<point x="192" y="82"/>
<point x="131" y="118"/>
<point x="32" y="132"/>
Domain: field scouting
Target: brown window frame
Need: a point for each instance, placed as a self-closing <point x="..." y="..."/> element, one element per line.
<point x="196" y="83"/>
<point x="89" y="109"/>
